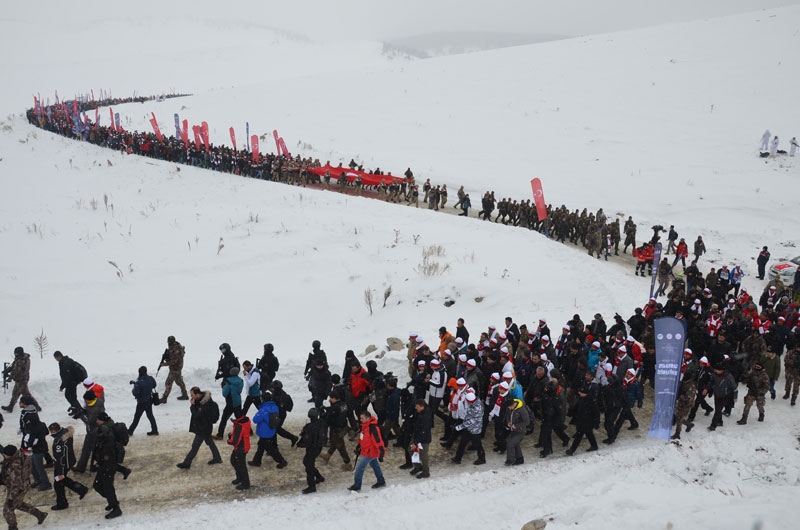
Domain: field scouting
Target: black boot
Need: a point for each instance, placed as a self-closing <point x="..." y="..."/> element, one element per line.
<point x="115" y="512"/>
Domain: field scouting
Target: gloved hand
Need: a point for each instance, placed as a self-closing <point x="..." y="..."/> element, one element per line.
<point x="383" y="452"/>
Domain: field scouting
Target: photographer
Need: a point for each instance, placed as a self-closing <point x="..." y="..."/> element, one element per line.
<point x="19" y="372"/>
<point x="143" y="389"/>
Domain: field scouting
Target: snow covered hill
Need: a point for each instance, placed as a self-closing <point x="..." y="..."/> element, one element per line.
<point x="108" y="254"/>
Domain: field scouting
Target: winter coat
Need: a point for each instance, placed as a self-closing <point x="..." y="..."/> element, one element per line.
<point x="757" y="382"/>
<point x="437" y="382"/>
<point x="233" y="389"/>
<point x="72" y="372"/>
<point x="622" y="366"/>
<point x="772" y="366"/>
<point x="359" y="386"/>
<point x="320" y="382"/>
<point x="393" y="405"/>
<point x="586" y="415"/>
<point x="473" y="421"/>
<point x="20" y="369"/>
<point x="268" y="365"/>
<point x="200" y="422"/>
<point x="16" y="475"/>
<point x="634" y="392"/>
<point x="261" y="419"/>
<point x="105" y="448"/>
<point x="721" y="386"/>
<point x="518" y="418"/>
<point x="253" y="382"/>
<point x="370" y="440"/>
<point x="175" y="355"/>
<point x="313" y="436"/>
<point x="240" y="435"/>
<point x="63" y="452"/>
<point x="423" y="421"/>
<point x="592" y="359"/>
<point x="143" y="389"/>
<point x="225" y="363"/>
<point x="284" y="402"/>
<point x="337" y="415"/>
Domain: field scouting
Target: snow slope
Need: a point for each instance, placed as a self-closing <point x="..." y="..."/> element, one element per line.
<point x="623" y="121"/>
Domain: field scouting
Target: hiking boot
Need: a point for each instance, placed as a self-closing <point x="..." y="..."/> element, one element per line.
<point x="310" y="489"/>
<point x="59" y="507"/>
<point x="45" y="487"/>
<point x="236" y="482"/>
<point x="709" y="411"/>
<point x="415" y="470"/>
<point x="182" y="465"/>
<point x="407" y="465"/>
<point x="608" y="441"/>
<point x="570" y="452"/>
<point x="115" y="512"/>
<point x="455" y="460"/>
<point x="772" y="394"/>
<point x="761" y="417"/>
<point x="380" y="484"/>
<point x="217" y="437"/>
<point x="40" y="515"/>
<point x="593" y="448"/>
<point x="689" y="426"/>
<point x="8" y="408"/>
<point x="325" y="457"/>
<point x="675" y="436"/>
<point x="152" y="433"/>
<point x="181" y="398"/>
<point x="282" y="465"/>
<point x="480" y="461"/>
<point x="794" y="401"/>
<point x="424" y="475"/>
<point x="347" y="466"/>
<point x="354" y="488"/>
<point x="214" y="461"/>
<point x="252" y="463"/>
<point x="543" y="454"/>
<point x="786" y="395"/>
<point x="163" y="400"/>
<point x="319" y="480"/>
<point x="125" y="472"/>
<point x="242" y="487"/>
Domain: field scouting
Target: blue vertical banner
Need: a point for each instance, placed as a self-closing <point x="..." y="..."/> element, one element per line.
<point x="656" y="261"/>
<point x="670" y="338"/>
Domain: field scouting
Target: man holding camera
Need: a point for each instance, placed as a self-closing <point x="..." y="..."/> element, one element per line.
<point x="143" y="389"/>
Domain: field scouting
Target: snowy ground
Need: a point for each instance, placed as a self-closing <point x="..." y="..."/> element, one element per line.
<point x="660" y="123"/>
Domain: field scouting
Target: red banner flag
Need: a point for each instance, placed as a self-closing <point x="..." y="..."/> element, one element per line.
<point x="154" y="123"/>
<point x="277" y="141"/>
<point x="111" y="112"/>
<point x="254" y="147"/>
<point x="96" y="117"/>
<point x="233" y="138"/>
<point x="185" y="133"/>
<point x="204" y="134"/>
<point x="538" y="199"/>
<point x="196" y="131"/>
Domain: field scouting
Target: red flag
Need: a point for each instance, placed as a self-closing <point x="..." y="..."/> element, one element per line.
<point x="154" y="123"/>
<point x="204" y="134"/>
<point x="96" y="117"/>
<point x="254" y="147"/>
<point x="75" y="106"/>
<point x="113" y="125"/>
<point x="233" y="138"/>
<point x="196" y="131"/>
<point x="538" y="199"/>
<point x="185" y="133"/>
<point x="277" y="141"/>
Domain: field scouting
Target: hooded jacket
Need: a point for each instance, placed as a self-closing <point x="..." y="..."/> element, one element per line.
<point x="201" y="415"/>
<point x="261" y="419"/>
<point x="63" y="452"/>
<point x="233" y="389"/>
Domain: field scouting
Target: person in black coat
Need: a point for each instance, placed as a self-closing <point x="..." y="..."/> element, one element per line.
<point x="143" y="389"/>
<point x="226" y="361"/>
<point x="586" y="416"/>
<point x="316" y="355"/>
<point x="105" y="458"/>
<point x="614" y="398"/>
<point x="72" y="374"/>
<point x="268" y="366"/>
<point x="551" y="407"/>
<point x="205" y="413"/>
<point x="319" y="382"/>
<point x="313" y="439"/>
<point x="64" y="459"/>
<point x="763" y="258"/>
<point x="421" y="438"/>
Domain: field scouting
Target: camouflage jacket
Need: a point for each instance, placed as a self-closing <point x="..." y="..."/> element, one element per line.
<point x="757" y="382"/>
<point x="176" y="353"/>
<point x="20" y="369"/>
<point x="16" y="475"/>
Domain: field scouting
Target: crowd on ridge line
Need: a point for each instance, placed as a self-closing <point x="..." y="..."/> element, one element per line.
<point x="592" y="230"/>
<point x="509" y="380"/>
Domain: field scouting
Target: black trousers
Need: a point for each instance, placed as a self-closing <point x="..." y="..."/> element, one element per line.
<point x="60" y="486"/>
<point x="199" y="439"/>
<point x="309" y="462"/>
<point x="104" y="485"/>
<point x="269" y="446"/>
<point x="239" y="463"/>
<point x="473" y="440"/>
<point x="143" y="408"/>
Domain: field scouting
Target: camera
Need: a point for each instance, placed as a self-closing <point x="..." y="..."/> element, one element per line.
<point x="132" y="382"/>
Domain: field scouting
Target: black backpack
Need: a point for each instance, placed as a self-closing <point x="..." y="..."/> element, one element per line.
<point x="120" y="432"/>
<point x="213" y="414"/>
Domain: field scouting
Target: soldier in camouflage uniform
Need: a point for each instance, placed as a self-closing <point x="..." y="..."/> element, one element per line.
<point x="630" y="235"/>
<point x="687" y="393"/>
<point x="19" y="372"/>
<point x="174" y="361"/>
<point x="791" y="370"/>
<point x="757" y="382"/>
<point x="16" y="476"/>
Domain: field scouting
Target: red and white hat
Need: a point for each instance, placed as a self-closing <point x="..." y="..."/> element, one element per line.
<point x="461" y="382"/>
<point x="462" y="358"/>
<point x="687" y="351"/>
<point x="631" y="371"/>
<point x="471" y="397"/>
<point x="471" y="363"/>
<point x="546" y="338"/>
<point x="435" y="363"/>
<point x="504" y="387"/>
<point x="622" y="349"/>
<point x="420" y="363"/>
<point x="508" y="375"/>
<point x="495" y="376"/>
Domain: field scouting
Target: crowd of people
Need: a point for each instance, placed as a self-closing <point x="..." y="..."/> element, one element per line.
<point x="508" y="383"/>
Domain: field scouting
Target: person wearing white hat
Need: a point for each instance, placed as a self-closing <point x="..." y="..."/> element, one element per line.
<point x="421" y="380"/>
<point x="494" y="413"/>
<point x="436" y="386"/>
<point x="471" y="429"/>
<point x="634" y="395"/>
<point x="474" y="376"/>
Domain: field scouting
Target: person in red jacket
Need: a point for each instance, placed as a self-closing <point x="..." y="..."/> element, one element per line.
<point x="370" y="450"/>
<point x="97" y="388"/>
<point x="239" y="438"/>
<point x="360" y="387"/>
<point x="681" y="252"/>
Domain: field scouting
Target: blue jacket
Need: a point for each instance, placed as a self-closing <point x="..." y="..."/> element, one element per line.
<point x="261" y="419"/>
<point x="634" y="392"/>
<point x="233" y="389"/>
<point x="143" y="389"/>
<point x="592" y="359"/>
